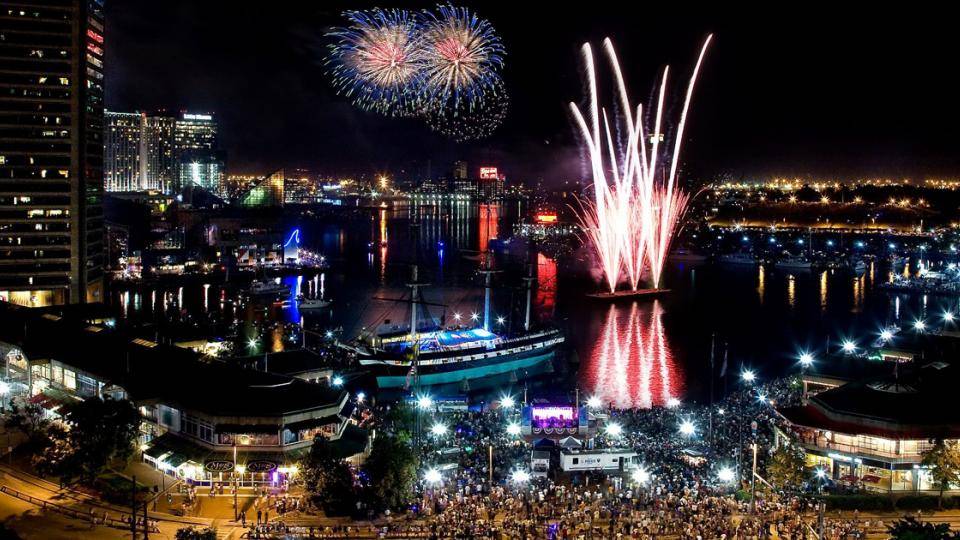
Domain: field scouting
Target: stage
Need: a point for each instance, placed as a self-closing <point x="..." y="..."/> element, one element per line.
<point x="626" y="295"/>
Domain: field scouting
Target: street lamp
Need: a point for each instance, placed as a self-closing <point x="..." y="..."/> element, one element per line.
<point x="501" y="319"/>
<point x="806" y="359"/>
<point x="886" y="335"/>
<point x="252" y="343"/>
<point x="507" y="402"/>
<point x="849" y="347"/>
<point x="748" y="376"/>
<point x="337" y="380"/>
<point x="641" y="476"/>
<point x="614" y="429"/>
<point x="520" y="476"/>
<point x="474" y="316"/>
<point x="457" y="317"/>
<point x="438" y="429"/>
<point x="424" y="402"/>
<point x="432" y="476"/>
<point x="727" y="475"/>
<point x="687" y="429"/>
<point x="513" y="428"/>
<point x="948" y="316"/>
<point x="919" y="325"/>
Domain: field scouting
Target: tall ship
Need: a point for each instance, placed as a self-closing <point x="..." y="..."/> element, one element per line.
<point x="424" y="353"/>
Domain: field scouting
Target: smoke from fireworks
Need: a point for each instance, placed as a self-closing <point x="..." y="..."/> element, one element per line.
<point x="636" y="207"/>
<point x="442" y="65"/>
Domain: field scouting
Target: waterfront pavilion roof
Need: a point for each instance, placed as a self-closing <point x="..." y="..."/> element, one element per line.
<point x="912" y="404"/>
<point x="158" y="373"/>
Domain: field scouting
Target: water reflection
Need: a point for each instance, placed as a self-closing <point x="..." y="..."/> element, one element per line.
<point x="631" y="364"/>
<point x="546" y="287"/>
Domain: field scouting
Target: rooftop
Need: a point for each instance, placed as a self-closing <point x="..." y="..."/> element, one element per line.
<point x="153" y="372"/>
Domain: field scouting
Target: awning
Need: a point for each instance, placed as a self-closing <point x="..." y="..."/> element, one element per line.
<point x="247" y="428"/>
<point x="174" y="450"/>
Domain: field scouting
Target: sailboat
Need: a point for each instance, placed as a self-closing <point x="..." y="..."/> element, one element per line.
<point x="426" y="354"/>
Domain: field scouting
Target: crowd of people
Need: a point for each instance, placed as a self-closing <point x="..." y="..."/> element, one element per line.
<point x="677" y="497"/>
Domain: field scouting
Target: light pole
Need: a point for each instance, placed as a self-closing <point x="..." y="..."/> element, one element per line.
<point x="753" y="480"/>
<point x="821" y="476"/>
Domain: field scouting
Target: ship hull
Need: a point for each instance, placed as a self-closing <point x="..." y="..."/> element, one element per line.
<point x="473" y="371"/>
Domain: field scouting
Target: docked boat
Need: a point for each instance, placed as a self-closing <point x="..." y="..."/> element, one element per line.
<point x="740" y="258"/>
<point x="308" y="304"/>
<point x="794" y="263"/>
<point x="267" y="288"/>
<point x="400" y="358"/>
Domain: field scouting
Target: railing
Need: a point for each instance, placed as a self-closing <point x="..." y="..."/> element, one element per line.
<point x="71" y="512"/>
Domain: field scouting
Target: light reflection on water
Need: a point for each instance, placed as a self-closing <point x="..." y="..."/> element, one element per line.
<point x="631" y="364"/>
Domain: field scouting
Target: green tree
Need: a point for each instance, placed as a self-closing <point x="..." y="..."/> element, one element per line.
<point x="28" y="418"/>
<point x="195" y="533"/>
<point x="328" y="481"/>
<point x="943" y="459"/>
<point x="911" y="529"/>
<point x="785" y="468"/>
<point x="96" y="432"/>
<point x="392" y="472"/>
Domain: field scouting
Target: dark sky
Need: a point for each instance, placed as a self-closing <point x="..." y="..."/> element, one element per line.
<point x="788" y="91"/>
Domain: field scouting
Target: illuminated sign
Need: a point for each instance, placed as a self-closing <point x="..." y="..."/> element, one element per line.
<point x="218" y="466"/>
<point x="489" y="173"/>
<point x="546" y="218"/>
<point x="187" y="116"/>
<point x="261" y="466"/>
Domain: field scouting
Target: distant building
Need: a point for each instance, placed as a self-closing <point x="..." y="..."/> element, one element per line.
<point x="460" y="170"/>
<point x="268" y="191"/>
<point x="203" y="171"/>
<point x="51" y="157"/>
<point x="121" y="151"/>
<point x="195" y="144"/>
<point x="158" y="158"/>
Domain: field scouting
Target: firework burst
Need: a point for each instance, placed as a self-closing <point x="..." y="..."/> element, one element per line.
<point x="463" y="121"/>
<point x="637" y="207"/>
<point x="463" y="56"/>
<point x="377" y="61"/>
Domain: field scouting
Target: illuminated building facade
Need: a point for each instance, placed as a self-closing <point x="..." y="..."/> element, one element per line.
<point x="203" y="171"/>
<point x="51" y="160"/>
<point x="121" y="151"/>
<point x="266" y="192"/>
<point x="158" y="159"/>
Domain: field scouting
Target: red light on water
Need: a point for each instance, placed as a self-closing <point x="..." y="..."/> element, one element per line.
<point x="631" y="364"/>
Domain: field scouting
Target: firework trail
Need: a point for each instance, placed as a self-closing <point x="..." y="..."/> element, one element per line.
<point x="637" y="207"/>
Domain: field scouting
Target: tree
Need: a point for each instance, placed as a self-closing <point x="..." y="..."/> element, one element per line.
<point x="96" y="432"/>
<point x="911" y="529"/>
<point x="943" y="459"/>
<point x="785" y="468"/>
<point x="328" y="481"/>
<point x="194" y="533"/>
<point x="392" y="472"/>
<point x="28" y="418"/>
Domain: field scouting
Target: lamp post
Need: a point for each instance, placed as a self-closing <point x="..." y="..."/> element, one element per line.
<point x="821" y="476"/>
<point x="753" y="481"/>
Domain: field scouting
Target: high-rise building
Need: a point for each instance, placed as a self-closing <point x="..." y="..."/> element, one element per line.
<point x="158" y="156"/>
<point x="121" y="151"/>
<point x="195" y="143"/>
<point x="203" y="171"/>
<point x="51" y="156"/>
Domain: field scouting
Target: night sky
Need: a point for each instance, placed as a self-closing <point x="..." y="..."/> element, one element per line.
<point x="812" y="92"/>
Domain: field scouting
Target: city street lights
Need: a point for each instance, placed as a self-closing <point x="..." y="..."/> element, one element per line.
<point x="806" y="359"/>
<point x="424" y="402"/>
<point x="849" y="347"/>
<point x="821" y="475"/>
<point x="948" y="316"/>
<point x="520" y="477"/>
<point x="439" y="429"/>
<point x="641" y="476"/>
<point x="886" y="335"/>
<point x="507" y="402"/>
<point x="726" y="475"/>
<point x="432" y="476"/>
<point x="687" y="429"/>
<point x="919" y="325"/>
<point x="748" y="376"/>
<point x="614" y="430"/>
<point x="513" y="428"/>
